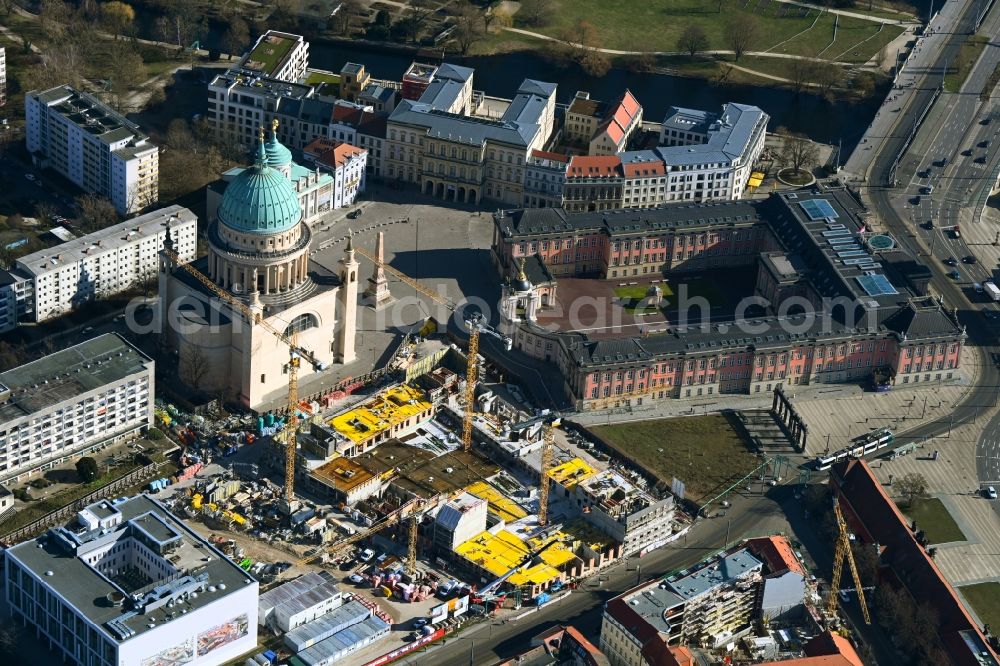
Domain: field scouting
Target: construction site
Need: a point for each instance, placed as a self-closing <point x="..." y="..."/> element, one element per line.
<point x="437" y="496"/>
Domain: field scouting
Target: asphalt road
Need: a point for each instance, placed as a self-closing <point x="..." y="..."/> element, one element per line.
<point x="904" y="223"/>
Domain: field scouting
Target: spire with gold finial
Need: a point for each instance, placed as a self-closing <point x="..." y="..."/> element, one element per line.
<point x="261" y="160"/>
<point x="274" y="127"/>
<point x="520" y="270"/>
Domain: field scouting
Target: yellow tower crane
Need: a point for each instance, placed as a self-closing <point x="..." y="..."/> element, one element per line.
<point x="546" y="465"/>
<point x="296" y="352"/>
<point x="477" y="325"/>
<point x="844" y="551"/>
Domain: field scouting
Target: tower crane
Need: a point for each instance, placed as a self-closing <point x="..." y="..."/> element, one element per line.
<point x="295" y="351"/>
<point x="546" y="465"/>
<point x="844" y="551"/>
<point x="477" y="325"/>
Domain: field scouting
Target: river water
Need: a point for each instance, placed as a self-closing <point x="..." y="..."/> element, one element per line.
<point x="501" y="74"/>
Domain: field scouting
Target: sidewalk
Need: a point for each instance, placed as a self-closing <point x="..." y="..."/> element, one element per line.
<point x="917" y="64"/>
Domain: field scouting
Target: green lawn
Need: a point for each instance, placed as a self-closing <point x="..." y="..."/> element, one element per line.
<point x="655" y="25"/>
<point x="985" y="600"/>
<point x="35" y="510"/>
<point x="705" y="452"/>
<point x="959" y="70"/>
<point x="315" y="78"/>
<point x="857" y="40"/>
<point x="269" y="54"/>
<point x="933" y="518"/>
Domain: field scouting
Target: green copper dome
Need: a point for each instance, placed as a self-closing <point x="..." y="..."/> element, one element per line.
<point x="277" y="154"/>
<point x="260" y="200"/>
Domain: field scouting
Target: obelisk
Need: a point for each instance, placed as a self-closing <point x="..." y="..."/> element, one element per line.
<point x="377" y="292"/>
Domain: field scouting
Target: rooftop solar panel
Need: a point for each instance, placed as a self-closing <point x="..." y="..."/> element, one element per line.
<point x="876" y="285"/>
<point x="818" y="209"/>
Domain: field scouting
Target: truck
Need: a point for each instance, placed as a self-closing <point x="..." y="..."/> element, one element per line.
<point x="990" y="288"/>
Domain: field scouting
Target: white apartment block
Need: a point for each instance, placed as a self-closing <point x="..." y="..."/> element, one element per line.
<point x="129" y="584"/>
<point x="438" y="144"/>
<point x="277" y="55"/>
<point x="346" y="163"/>
<point x="3" y="76"/>
<point x="544" y="179"/>
<point x="94" y="147"/>
<point x="69" y="403"/>
<point x="101" y="264"/>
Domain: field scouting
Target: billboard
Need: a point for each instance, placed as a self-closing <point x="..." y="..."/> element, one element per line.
<point x="456" y="607"/>
<point x="182" y="653"/>
<point x="223" y="634"/>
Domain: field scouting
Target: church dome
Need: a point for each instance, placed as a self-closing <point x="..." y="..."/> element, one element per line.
<point x="277" y="154"/>
<point x="260" y="200"/>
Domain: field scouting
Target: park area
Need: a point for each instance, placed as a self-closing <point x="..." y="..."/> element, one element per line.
<point x="779" y="27"/>
<point x="933" y="518"/>
<point x="985" y="600"/>
<point x="707" y="452"/>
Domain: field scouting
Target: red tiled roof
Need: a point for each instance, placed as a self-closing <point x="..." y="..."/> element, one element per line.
<point x="622" y="117"/>
<point x="331" y="153"/>
<point x="546" y="155"/>
<point x="630" y="103"/>
<point x="588" y="165"/>
<point x="644" y="169"/>
<point x="777" y="553"/>
<point x="875" y="517"/>
<point x="826" y="649"/>
<point x="613" y="130"/>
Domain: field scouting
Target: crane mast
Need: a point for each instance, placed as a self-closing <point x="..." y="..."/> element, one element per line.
<point x="296" y="353"/>
<point x="843" y="552"/>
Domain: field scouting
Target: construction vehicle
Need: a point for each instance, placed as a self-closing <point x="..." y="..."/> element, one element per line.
<point x="477" y="325"/>
<point x="413" y="509"/>
<point x="255" y="316"/>
<point x="488" y="593"/>
<point x="843" y="550"/>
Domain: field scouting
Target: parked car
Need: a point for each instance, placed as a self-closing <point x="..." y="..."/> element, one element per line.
<point x="969" y="259"/>
<point x="366" y="555"/>
<point x="355" y="578"/>
<point x="950" y="261"/>
<point x="990" y="492"/>
<point x="954" y="274"/>
<point x="30" y="176"/>
<point x="927" y="189"/>
<point x="354" y="214"/>
<point x="991" y="314"/>
<point x="419" y="622"/>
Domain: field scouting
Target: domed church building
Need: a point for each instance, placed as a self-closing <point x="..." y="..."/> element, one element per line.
<point x="258" y="251"/>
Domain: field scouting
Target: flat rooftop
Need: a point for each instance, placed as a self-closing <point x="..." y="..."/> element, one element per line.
<point x="270" y="52"/>
<point x="66" y="374"/>
<point x="714" y="573"/>
<point x="422" y="472"/>
<point x="91" y="115"/>
<point x="499" y="553"/>
<point x="572" y="472"/>
<point x="87" y="591"/>
<point x="254" y="83"/>
<point x="343" y="474"/>
<point x="500" y="505"/>
<point x="386" y="410"/>
<point x="106" y="240"/>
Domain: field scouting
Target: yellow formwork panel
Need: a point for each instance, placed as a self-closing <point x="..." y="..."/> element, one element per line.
<point x="384" y="411"/>
<point x="504" y="507"/>
<point x="571" y="472"/>
<point x="499" y="553"/>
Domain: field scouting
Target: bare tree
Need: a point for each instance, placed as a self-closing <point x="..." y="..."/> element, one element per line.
<point x="163" y="28"/>
<point x="537" y="12"/>
<point x="742" y="34"/>
<point x="342" y="20"/>
<point x="798" y="152"/>
<point x="127" y="68"/>
<point x="467" y="27"/>
<point x="193" y="366"/>
<point x="95" y="212"/>
<point x="589" y="56"/>
<point x="801" y="73"/>
<point x="236" y="37"/>
<point x="912" y="487"/>
<point x="7" y="6"/>
<point x="693" y="40"/>
<point x="829" y="77"/>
